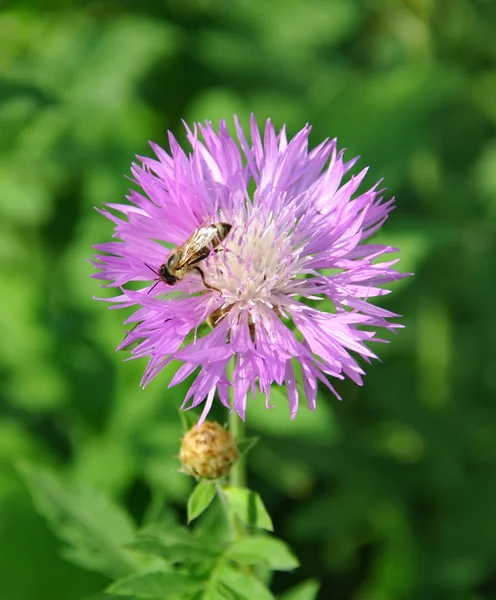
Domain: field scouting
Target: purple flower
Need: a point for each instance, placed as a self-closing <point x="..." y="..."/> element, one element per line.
<point x="290" y="283"/>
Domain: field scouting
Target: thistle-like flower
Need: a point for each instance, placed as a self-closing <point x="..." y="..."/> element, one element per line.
<point x="265" y="243"/>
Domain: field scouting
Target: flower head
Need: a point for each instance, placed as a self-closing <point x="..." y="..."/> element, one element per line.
<point x="208" y="451"/>
<point x="266" y="244"/>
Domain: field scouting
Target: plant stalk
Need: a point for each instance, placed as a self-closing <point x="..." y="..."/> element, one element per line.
<point x="237" y="476"/>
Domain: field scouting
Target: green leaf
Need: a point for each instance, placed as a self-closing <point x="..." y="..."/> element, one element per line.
<point x="248" y="506"/>
<point x="269" y="551"/>
<point x="200" y="499"/>
<point x="247" y="444"/>
<point x="174" y="553"/>
<point x="157" y="585"/>
<point x="213" y="528"/>
<point x="218" y="591"/>
<point x="189" y="419"/>
<point x="168" y="532"/>
<point x="307" y="590"/>
<point x="244" y="585"/>
<point x="94" y="528"/>
<point x="176" y="543"/>
<point x="171" y="535"/>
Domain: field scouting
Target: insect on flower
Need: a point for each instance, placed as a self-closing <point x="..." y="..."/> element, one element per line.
<point x="288" y="269"/>
<point x="196" y="248"/>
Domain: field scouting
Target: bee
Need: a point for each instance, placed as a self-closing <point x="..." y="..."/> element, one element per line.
<point x="186" y="258"/>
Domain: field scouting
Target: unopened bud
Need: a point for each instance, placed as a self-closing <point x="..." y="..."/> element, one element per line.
<point x="208" y="451"/>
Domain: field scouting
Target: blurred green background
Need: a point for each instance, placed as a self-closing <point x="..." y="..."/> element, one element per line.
<point x="388" y="495"/>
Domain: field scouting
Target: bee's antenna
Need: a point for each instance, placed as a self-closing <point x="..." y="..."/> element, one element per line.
<point x="153" y="287"/>
<point x="156" y="282"/>
<point x="152" y="269"/>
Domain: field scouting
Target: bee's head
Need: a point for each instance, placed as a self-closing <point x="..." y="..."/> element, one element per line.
<point x="166" y="276"/>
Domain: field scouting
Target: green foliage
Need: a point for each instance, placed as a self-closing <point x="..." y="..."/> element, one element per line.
<point x="164" y="559"/>
<point x="387" y="495"/>
<point x="178" y="544"/>
<point x="157" y="585"/>
<point x="307" y="590"/>
<point x="108" y="596"/>
<point x="94" y="528"/>
<point x="188" y="419"/>
<point x="241" y="584"/>
<point x="268" y="551"/>
<point x="200" y="499"/>
<point x="244" y="446"/>
<point x="248" y="506"/>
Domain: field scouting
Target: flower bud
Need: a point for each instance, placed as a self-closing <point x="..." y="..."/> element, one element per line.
<point x="208" y="451"/>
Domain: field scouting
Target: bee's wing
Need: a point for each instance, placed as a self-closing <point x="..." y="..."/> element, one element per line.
<point x="197" y="246"/>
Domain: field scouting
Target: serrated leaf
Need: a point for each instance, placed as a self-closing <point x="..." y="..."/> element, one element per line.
<point x="200" y="499"/>
<point x="247" y="444"/>
<point x="244" y="585"/>
<point x="248" y="506"/>
<point x="93" y="526"/>
<point x="268" y="551"/>
<point x="157" y="585"/>
<point x="307" y="590"/>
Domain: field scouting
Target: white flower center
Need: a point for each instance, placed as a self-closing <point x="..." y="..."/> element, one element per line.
<point x="255" y="263"/>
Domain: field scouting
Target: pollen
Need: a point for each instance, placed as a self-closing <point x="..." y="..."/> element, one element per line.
<point x="257" y="263"/>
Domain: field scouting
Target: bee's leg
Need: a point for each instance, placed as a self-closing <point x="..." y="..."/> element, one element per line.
<point x="207" y="285"/>
<point x="202" y="275"/>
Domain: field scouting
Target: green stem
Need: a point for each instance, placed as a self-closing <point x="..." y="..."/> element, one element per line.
<point x="237" y="476"/>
